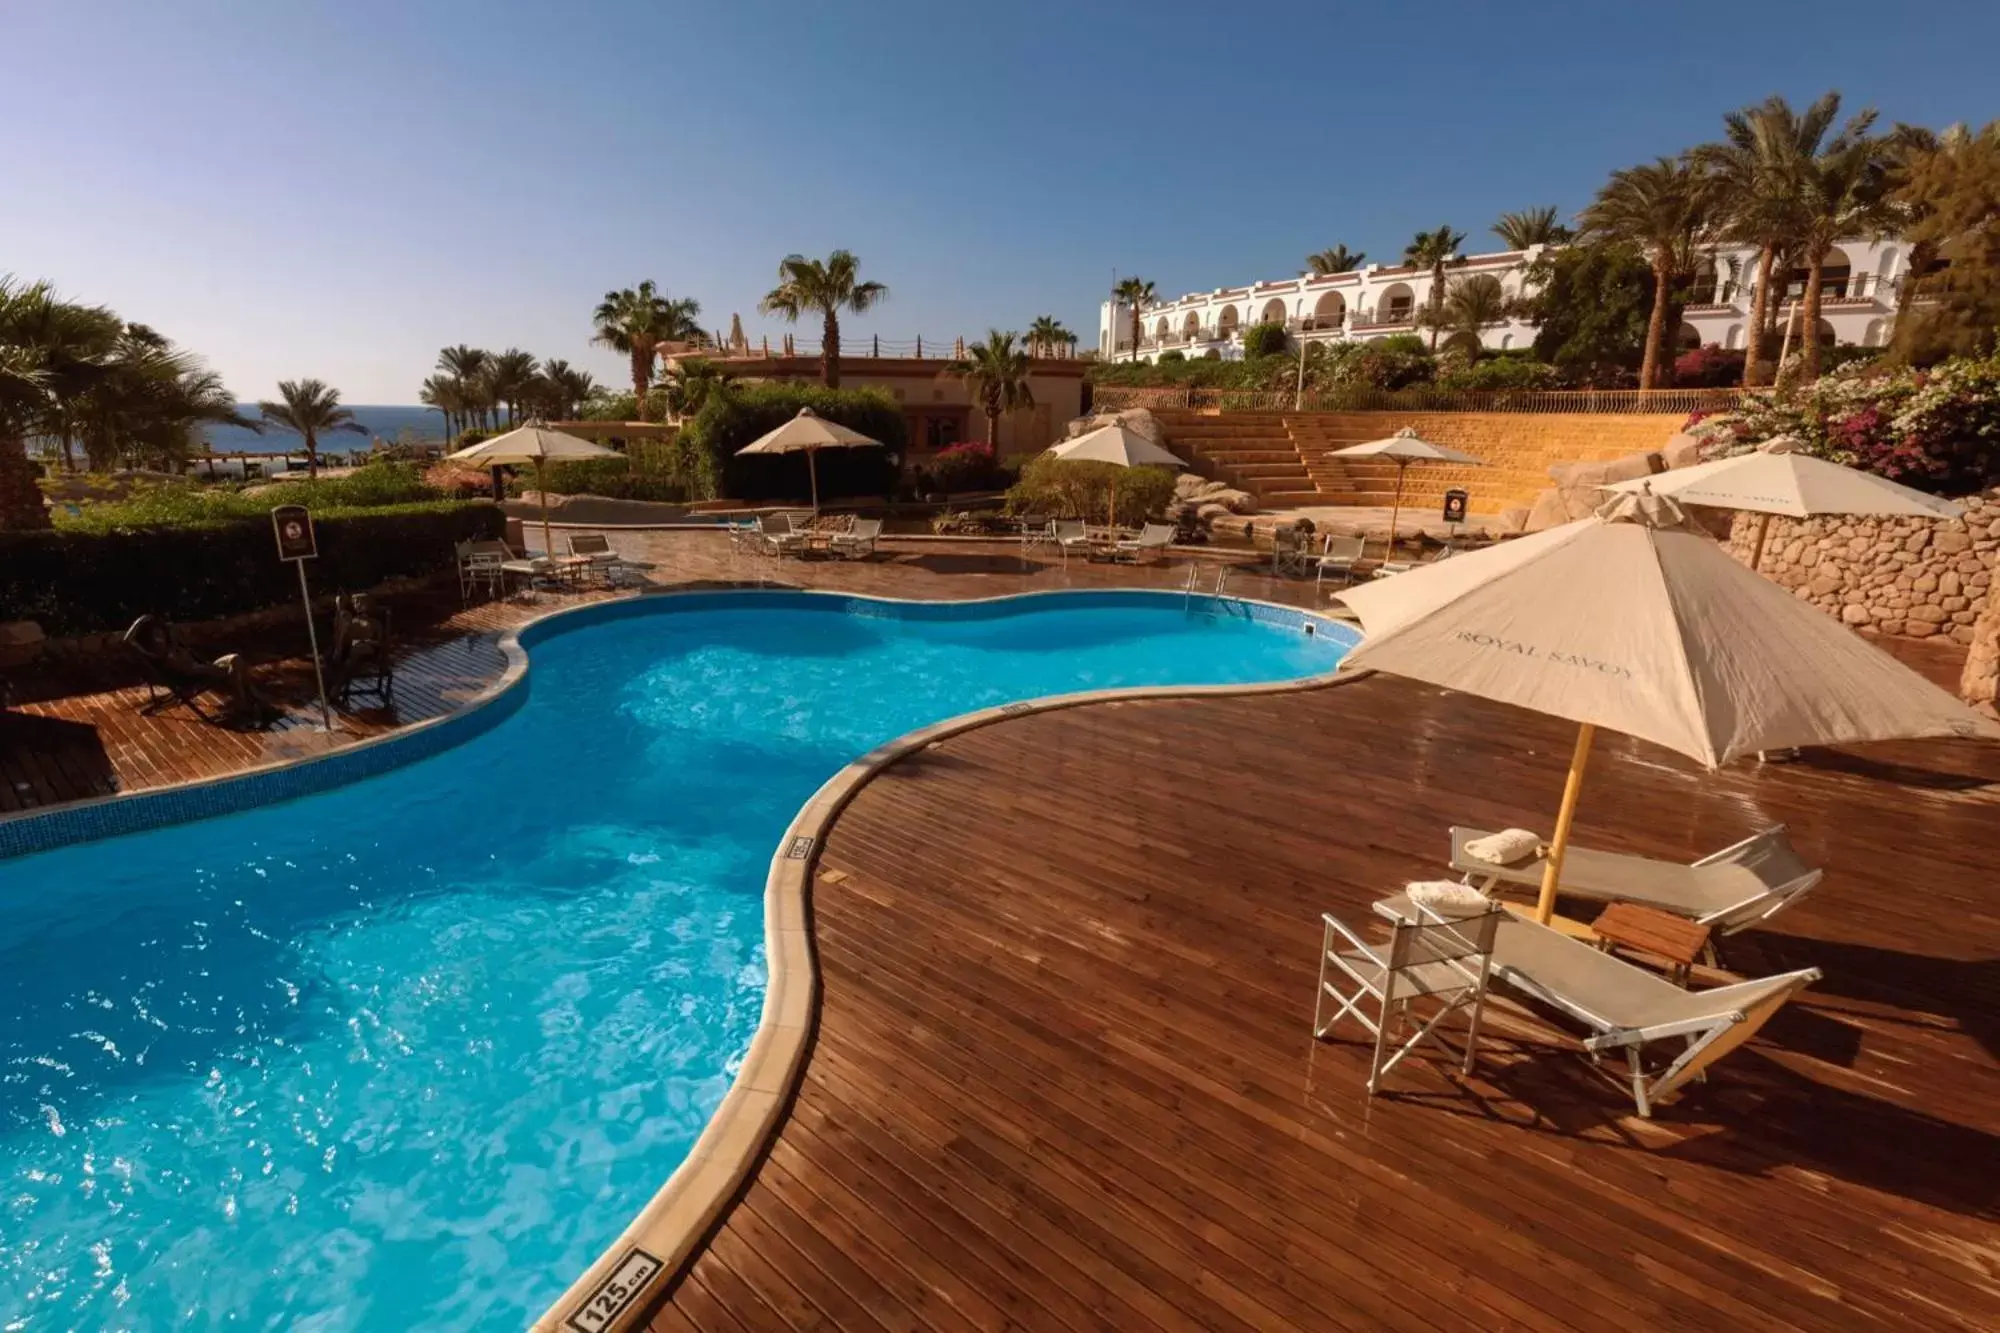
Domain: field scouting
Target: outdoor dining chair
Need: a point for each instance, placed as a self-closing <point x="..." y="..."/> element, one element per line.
<point x="1339" y="554"/>
<point x="1443" y="962"/>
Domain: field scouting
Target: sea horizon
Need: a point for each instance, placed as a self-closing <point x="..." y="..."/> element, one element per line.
<point x="386" y="422"/>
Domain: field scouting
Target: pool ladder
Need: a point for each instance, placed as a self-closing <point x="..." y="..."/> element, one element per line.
<point x="1194" y="573"/>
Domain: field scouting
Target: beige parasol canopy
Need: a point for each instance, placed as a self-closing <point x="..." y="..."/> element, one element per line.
<point x="808" y="433"/>
<point x="1404" y="448"/>
<point x="1777" y="479"/>
<point x="1633" y="621"/>
<point x="1115" y="444"/>
<point x="533" y="443"/>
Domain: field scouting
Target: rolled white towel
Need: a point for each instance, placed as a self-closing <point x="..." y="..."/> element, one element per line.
<point x="1447" y="897"/>
<point x="1505" y="847"/>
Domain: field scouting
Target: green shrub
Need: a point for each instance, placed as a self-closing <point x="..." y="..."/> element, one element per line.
<point x="1172" y="356"/>
<point x="728" y="421"/>
<point x="1266" y="339"/>
<point x="181" y="504"/>
<point x="1063" y="489"/>
<point x="613" y="478"/>
<point x="1502" y="372"/>
<point x="83" y="580"/>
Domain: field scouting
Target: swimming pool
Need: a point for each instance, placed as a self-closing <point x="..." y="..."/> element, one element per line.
<point x="413" y="1050"/>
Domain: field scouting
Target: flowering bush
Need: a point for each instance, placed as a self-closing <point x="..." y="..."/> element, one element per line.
<point x="1708" y="367"/>
<point x="1937" y="430"/>
<point x="966" y="467"/>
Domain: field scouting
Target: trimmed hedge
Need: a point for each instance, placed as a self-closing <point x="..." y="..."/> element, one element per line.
<point x="732" y="419"/>
<point x="81" y="582"/>
<point x="613" y="478"/>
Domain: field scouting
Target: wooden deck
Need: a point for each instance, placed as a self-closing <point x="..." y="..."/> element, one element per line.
<point x="1064" y="1078"/>
<point x="1064" y="1075"/>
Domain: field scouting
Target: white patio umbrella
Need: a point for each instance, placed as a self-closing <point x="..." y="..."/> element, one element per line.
<point x="537" y="444"/>
<point x="1777" y="479"/>
<point x="1404" y="448"/>
<point x="808" y="433"/>
<point x="1631" y="620"/>
<point x="1119" y="445"/>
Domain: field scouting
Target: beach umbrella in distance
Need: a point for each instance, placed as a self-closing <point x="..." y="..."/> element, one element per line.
<point x="808" y="433"/>
<point x="1117" y="445"/>
<point x="1776" y="478"/>
<point x="1634" y="621"/>
<point x="1404" y="448"/>
<point x="537" y="444"/>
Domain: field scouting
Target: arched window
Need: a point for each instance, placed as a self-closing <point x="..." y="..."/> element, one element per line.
<point x="1734" y="338"/>
<point x="1226" y="323"/>
<point x="1687" y="337"/>
<point x="1872" y="336"/>
<point x="1827" y="337"/>
<point x="1398" y="302"/>
<point x="1330" y="311"/>
<point x="1274" y="311"/>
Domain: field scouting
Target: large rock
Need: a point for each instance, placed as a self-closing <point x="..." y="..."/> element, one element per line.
<point x="1981" y="682"/>
<point x="1139" y="420"/>
<point x="1547" y="512"/>
<point x="1681" y="451"/>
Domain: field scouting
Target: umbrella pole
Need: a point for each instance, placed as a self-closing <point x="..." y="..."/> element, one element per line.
<point x="1396" y="510"/>
<point x="542" y="489"/>
<point x="812" y="471"/>
<point x="1757" y="550"/>
<point x="1545" y="906"/>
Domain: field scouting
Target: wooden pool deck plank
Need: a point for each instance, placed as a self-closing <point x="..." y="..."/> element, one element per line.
<point x="1064" y="1076"/>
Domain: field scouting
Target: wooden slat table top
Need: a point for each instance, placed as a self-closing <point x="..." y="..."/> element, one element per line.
<point x="1635" y="926"/>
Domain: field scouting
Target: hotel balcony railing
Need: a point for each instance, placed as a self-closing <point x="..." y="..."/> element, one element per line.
<point x="1387" y="319"/>
<point x="1317" y="323"/>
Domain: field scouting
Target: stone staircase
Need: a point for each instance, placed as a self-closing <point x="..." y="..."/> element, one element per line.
<point x="1341" y="481"/>
<point x="1250" y="450"/>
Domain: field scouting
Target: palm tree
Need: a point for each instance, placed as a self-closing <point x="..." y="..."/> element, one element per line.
<point x="636" y="321"/>
<point x="1135" y="294"/>
<point x="1047" y="334"/>
<point x="1337" y="260"/>
<point x="1530" y="227"/>
<point x="43" y="340"/>
<point x="996" y="374"/>
<point x="146" y="403"/>
<point x="829" y="287"/>
<point x="1668" y="209"/>
<point x="1433" y="250"/>
<point x="1757" y="168"/>
<point x="309" y="408"/>
<point x="1474" y="301"/>
<point x="513" y="373"/>
<point x="445" y="393"/>
<point x="1844" y="190"/>
<point x="567" y="388"/>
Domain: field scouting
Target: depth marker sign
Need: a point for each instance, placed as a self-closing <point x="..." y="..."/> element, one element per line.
<point x="296" y="543"/>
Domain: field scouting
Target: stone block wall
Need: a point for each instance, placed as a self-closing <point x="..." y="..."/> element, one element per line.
<point x="1917" y="577"/>
<point x="1517" y="448"/>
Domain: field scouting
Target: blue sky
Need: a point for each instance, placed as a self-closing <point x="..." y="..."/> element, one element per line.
<point x="338" y="189"/>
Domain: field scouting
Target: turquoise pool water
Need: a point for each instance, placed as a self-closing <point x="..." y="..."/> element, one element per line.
<point x="411" y="1052"/>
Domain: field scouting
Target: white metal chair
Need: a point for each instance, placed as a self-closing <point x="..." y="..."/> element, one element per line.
<point x="1036" y="530"/>
<point x="1339" y="554"/>
<point x="1443" y="961"/>
<point x="1291" y="550"/>
<point x="1069" y="534"/>
<point x="782" y="535"/>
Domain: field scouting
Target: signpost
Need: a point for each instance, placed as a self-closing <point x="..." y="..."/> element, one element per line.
<point x="294" y="529"/>
<point x="1455" y="501"/>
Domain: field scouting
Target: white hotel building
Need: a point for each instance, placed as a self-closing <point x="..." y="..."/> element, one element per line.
<point x="1857" y="301"/>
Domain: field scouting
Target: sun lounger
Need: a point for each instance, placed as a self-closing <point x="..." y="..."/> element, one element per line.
<point x="858" y="542"/>
<point x="174" y="675"/>
<point x="1738" y="886"/>
<point x="1153" y="539"/>
<point x="1628" y="1008"/>
<point x="782" y="536"/>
